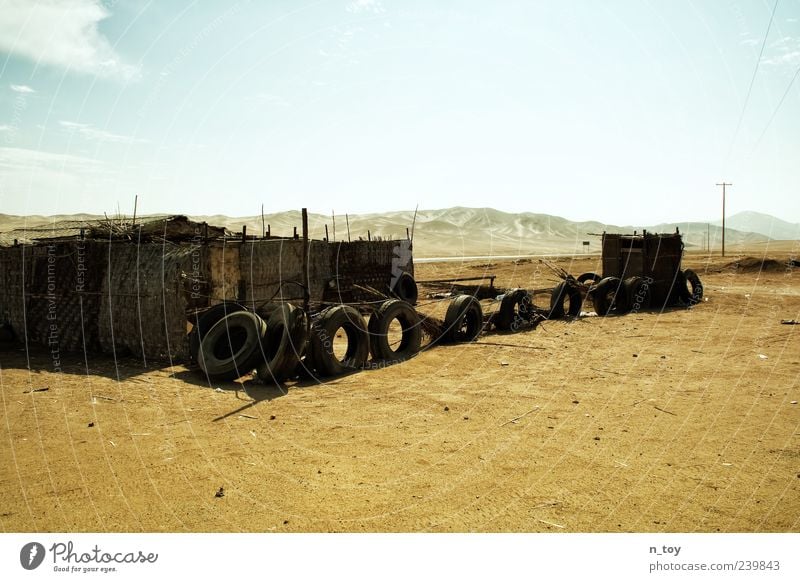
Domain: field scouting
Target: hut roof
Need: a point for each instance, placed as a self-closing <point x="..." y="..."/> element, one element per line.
<point x="172" y="228"/>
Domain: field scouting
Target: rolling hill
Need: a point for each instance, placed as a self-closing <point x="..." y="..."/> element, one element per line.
<point x="457" y="231"/>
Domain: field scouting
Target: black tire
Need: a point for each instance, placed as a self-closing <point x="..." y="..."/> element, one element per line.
<point x="323" y="332"/>
<point x="232" y="348"/>
<point x="561" y="293"/>
<point x="205" y="321"/>
<point x="694" y="296"/>
<point x="515" y="308"/>
<point x="589" y="278"/>
<point x="6" y="334"/>
<point x="405" y="289"/>
<point x="637" y="291"/>
<point x="464" y="319"/>
<point x="378" y="327"/>
<point x="609" y="296"/>
<point x="284" y="343"/>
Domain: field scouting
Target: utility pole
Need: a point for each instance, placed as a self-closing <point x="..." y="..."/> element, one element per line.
<point x="723" y="184"/>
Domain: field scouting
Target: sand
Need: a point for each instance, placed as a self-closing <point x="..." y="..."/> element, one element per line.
<point x="685" y="421"/>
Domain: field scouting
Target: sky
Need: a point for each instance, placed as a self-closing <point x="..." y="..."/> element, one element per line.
<point x="625" y="112"/>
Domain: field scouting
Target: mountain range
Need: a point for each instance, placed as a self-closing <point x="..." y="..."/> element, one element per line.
<point x="463" y="231"/>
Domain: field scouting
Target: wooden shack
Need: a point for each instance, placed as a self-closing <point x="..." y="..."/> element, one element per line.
<point x="132" y="290"/>
<point x="656" y="258"/>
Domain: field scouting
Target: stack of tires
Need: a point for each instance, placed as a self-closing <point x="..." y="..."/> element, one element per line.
<point x="229" y="341"/>
<point x="611" y="295"/>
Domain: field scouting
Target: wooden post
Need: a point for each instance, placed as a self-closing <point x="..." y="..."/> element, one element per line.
<point x="263" y="230"/>
<point x="369" y="236"/>
<point x="306" y="291"/>
<point x="268" y="231"/>
<point x="347" y="219"/>
<point x="326" y="233"/>
<point x="244" y="233"/>
<point x="333" y="218"/>
<point x="295" y="233"/>
<point x="135" y="206"/>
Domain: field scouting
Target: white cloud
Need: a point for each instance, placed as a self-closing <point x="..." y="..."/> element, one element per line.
<point x="41" y="179"/>
<point x="93" y="134"/>
<point x="268" y="99"/>
<point x="358" y="6"/>
<point x="783" y="51"/>
<point x="61" y="33"/>
<point x="21" y="89"/>
<point x="21" y="159"/>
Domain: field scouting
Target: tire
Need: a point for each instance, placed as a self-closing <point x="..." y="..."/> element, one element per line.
<point x="6" y="333"/>
<point x="609" y="296"/>
<point x="284" y="343"/>
<point x="563" y="291"/>
<point x="378" y="327"/>
<point x="205" y="321"/>
<point x="323" y="332"/>
<point x="679" y="292"/>
<point x="637" y="291"/>
<point x="464" y="319"/>
<point x="405" y="289"/>
<point x="515" y="308"/>
<point x="694" y="296"/>
<point x="232" y="348"/>
<point x="589" y="278"/>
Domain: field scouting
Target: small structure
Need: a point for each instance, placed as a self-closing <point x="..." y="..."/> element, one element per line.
<point x="115" y="287"/>
<point x="655" y="258"/>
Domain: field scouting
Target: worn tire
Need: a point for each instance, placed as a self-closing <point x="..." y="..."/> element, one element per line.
<point x="205" y="321"/>
<point x="6" y="333"/>
<point x="463" y="321"/>
<point x="589" y="278"/>
<point x="515" y="307"/>
<point x="563" y="291"/>
<point x="637" y="292"/>
<point x="405" y="289"/>
<point x="232" y="348"/>
<point x="694" y="296"/>
<point x="284" y="343"/>
<point x="609" y="296"/>
<point x="378" y="327"/>
<point x="323" y="332"/>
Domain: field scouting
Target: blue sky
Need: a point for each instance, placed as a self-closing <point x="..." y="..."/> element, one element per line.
<point x="621" y="111"/>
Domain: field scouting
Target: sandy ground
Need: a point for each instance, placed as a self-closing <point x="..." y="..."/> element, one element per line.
<point x="679" y="421"/>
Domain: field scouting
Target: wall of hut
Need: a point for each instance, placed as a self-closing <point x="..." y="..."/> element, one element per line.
<point x="119" y="297"/>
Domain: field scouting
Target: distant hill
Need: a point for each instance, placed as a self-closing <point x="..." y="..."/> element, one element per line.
<point x="454" y="231"/>
<point x="764" y="224"/>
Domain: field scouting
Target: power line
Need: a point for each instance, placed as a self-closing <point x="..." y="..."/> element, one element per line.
<point x="752" y="81"/>
<point x="774" y="113"/>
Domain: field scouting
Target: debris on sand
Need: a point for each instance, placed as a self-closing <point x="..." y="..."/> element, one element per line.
<point x="756" y="265"/>
<point x="220" y="492"/>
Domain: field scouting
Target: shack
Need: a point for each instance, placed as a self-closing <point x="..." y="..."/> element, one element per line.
<point x="123" y="288"/>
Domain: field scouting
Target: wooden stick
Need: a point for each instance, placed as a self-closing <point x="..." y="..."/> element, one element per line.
<point x="662" y="410"/>
<point x="516" y="418"/>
